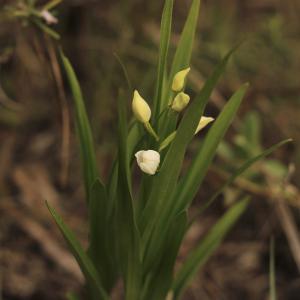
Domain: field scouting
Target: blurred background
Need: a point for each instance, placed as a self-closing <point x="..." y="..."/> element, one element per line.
<point x="39" y="156"/>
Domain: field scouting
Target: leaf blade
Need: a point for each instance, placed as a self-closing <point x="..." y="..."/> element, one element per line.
<point x="165" y="33"/>
<point x="245" y="166"/>
<point x="211" y="241"/>
<point x="200" y="164"/>
<point x="81" y="257"/>
<point x="88" y="157"/>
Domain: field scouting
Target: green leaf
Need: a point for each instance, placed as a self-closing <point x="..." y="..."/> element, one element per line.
<point x="128" y="236"/>
<point x="160" y="206"/>
<point x="181" y="61"/>
<point x="101" y="250"/>
<point x="241" y="170"/>
<point x="200" y="164"/>
<point x="184" y="49"/>
<point x="90" y="172"/>
<point x="162" y="276"/>
<point x="272" y="275"/>
<point x="165" y="33"/>
<point x="207" y="246"/>
<point x="86" y="265"/>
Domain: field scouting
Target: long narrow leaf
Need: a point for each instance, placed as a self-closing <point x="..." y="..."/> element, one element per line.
<point x="200" y="164"/>
<point x="87" y="267"/>
<point x="182" y="59"/>
<point x="162" y="276"/>
<point x="165" y="33"/>
<point x="184" y="49"/>
<point x="101" y="248"/>
<point x="90" y="172"/>
<point x="128" y="237"/>
<point x="207" y="246"/>
<point x="245" y="166"/>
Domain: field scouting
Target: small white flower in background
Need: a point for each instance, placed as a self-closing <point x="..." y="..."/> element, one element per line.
<point x="180" y="101"/>
<point x="48" y="17"/>
<point x="148" y="161"/>
<point x="179" y="80"/>
<point x="203" y="122"/>
<point x="140" y="108"/>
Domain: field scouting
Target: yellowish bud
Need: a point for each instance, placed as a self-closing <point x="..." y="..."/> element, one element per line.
<point x="180" y="101"/>
<point x="179" y="80"/>
<point x="140" y="108"/>
<point x="203" y="122"/>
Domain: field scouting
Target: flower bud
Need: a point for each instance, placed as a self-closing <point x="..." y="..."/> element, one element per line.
<point x="203" y="122"/>
<point x="179" y="79"/>
<point x="48" y="17"/>
<point x="148" y="161"/>
<point x="140" y="108"/>
<point x="180" y="101"/>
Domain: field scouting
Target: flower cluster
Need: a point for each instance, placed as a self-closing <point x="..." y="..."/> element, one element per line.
<point x="148" y="160"/>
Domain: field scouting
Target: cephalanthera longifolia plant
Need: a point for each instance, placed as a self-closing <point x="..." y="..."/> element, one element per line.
<point x="134" y="235"/>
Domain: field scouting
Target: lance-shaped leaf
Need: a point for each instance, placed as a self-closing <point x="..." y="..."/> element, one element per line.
<point x="207" y="246"/>
<point x="200" y="164"/>
<point x="101" y="250"/>
<point x="165" y="33"/>
<point x="243" y="168"/>
<point x="86" y="265"/>
<point x="184" y="49"/>
<point x="90" y="172"/>
<point x="128" y="236"/>
<point x="162" y="275"/>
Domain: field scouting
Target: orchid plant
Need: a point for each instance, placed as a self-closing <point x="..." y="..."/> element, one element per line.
<point x="135" y="233"/>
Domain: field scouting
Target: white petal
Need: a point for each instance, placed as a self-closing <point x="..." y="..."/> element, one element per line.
<point x="148" y="161"/>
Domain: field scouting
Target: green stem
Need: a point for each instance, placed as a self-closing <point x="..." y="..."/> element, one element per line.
<point x="151" y="131"/>
<point x="167" y="141"/>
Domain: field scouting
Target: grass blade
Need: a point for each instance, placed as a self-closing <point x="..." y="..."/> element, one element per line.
<point x="181" y="59"/>
<point x="101" y="248"/>
<point x="207" y="246"/>
<point x="162" y="277"/>
<point x="200" y="164"/>
<point x="86" y="265"/>
<point x="165" y="33"/>
<point x="90" y="172"/>
<point x="128" y="236"/>
<point x="184" y="49"/>
<point x="250" y="162"/>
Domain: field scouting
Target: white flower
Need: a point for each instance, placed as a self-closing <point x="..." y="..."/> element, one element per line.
<point x="140" y="108"/>
<point x="48" y="17"/>
<point x="148" y="161"/>
<point x="179" y="80"/>
<point x="180" y="101"/>
<point x="203" y="122"/>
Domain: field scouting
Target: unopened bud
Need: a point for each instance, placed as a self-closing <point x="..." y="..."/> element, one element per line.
<point x="179" y="80"/>
<point x="180" y="101"/>
<point x="140" y="108"/>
